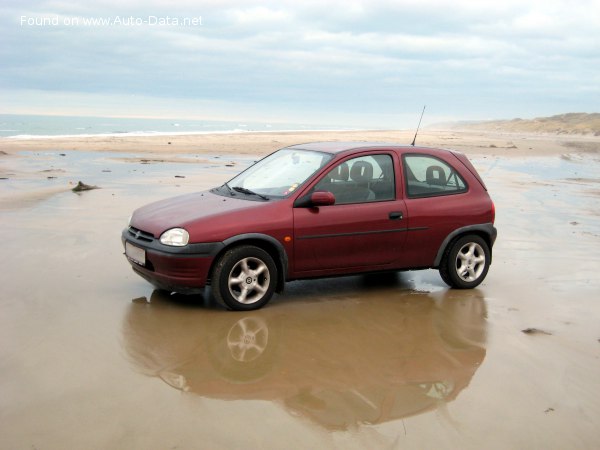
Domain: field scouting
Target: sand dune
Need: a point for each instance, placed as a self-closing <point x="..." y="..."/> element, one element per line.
<point x="571" y="123"/>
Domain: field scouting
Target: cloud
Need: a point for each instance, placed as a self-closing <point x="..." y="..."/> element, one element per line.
<point x="511" y="58"/>
<point x="259" y="15"/>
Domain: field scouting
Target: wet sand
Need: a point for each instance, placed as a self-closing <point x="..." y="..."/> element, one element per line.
<point x="261" y="143"/>
<point x="92" y="357"/>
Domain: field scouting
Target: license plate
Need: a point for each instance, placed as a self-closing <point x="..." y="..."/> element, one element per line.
<point x="136" y="254"/>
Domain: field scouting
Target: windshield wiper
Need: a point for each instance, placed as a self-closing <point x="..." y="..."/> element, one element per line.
<point x="231" y="191"/>
<point x="248" y="191"/>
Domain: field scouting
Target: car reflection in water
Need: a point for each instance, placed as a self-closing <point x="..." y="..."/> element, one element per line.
<point x="370" y="356"/>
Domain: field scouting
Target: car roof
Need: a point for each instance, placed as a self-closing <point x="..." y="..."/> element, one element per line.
<point x="335" y="147"/>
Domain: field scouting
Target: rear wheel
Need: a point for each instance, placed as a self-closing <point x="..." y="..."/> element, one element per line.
<point x="244" y="278"/>
<point x="466" y="262"/>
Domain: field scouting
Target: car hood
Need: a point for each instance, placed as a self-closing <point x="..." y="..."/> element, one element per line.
<point x="187" y="210"/>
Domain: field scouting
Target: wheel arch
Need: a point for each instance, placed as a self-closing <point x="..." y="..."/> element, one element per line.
<point x="486" y="231"/>
<point x="268" y="243"/>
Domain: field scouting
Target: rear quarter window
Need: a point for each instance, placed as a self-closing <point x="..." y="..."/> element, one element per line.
<point x="428" y="176"/>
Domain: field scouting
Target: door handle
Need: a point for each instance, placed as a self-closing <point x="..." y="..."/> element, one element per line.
<point x="396" y="215"/>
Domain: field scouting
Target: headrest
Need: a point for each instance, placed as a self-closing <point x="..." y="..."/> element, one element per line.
<point x="435" y="176"/>
<point x="362" y="171"/>
<point x="341" y="172"/>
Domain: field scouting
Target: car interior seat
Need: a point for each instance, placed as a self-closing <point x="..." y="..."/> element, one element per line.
<point x="341" y="173"/>
<point x="435" y="176"/>
<point x="362" y="174"/>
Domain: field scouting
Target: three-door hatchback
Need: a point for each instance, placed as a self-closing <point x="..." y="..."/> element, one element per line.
<point x="318" y="210"/>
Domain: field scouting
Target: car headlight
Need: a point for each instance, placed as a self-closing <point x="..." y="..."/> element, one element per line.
<point x="176" y="237"/>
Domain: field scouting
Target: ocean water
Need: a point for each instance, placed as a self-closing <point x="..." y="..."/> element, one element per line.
<point x="28" y="126"/>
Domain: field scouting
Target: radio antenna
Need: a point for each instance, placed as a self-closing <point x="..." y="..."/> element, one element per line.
<point x="418" y="126"/>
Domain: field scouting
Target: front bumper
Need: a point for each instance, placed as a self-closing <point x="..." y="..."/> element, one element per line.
<point x="177" y="269"/>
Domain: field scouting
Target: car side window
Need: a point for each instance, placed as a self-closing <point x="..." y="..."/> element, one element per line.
<point x="427" y="176"/>
<point x="359" y="180"/>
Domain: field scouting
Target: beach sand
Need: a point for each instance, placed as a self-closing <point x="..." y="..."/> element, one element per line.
<point x="255" y="143"/>
<point x="92" y="357"/>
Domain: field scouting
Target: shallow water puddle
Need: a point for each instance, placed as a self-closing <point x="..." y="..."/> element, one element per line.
<point x="367" y="356"/>
<point x="36" y="176"/>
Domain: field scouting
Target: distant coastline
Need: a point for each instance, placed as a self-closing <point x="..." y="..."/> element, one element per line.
<point x="138" y="134"/>
<point x="17" y="127"/>
<point x="20" y="126"/>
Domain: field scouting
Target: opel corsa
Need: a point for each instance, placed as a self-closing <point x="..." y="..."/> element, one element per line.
<point x="319" y="210"/>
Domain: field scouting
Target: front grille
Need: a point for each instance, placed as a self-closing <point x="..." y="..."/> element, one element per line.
<point x="140" y="235"/>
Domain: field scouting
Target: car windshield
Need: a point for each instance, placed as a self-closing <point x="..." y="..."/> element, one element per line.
<point x="279" y="174"/>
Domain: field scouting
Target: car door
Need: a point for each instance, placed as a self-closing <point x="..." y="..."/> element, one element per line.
<point x="363" y="230"/>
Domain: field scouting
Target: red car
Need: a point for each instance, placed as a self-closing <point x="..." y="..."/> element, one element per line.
<point x="318" y="210"/>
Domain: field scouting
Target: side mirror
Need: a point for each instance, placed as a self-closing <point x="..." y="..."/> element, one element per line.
<point x="322" y="198"/>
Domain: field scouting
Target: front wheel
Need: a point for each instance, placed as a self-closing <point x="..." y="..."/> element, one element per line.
<point x="466" y="262"/>
<point x="244" y="278"/>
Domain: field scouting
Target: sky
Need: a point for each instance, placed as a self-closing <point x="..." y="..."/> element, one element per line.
<point x="354" y="63"/>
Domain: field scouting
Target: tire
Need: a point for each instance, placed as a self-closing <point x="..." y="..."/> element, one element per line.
<point x="244" y="278"/>
<point x="466" y="262"/>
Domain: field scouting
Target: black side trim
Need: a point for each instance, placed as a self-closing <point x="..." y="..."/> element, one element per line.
<point x="358" y="233"/>
<point x="361" y="233"/>
<point x="205" y="249"/>
<point x="486" y="228"/>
